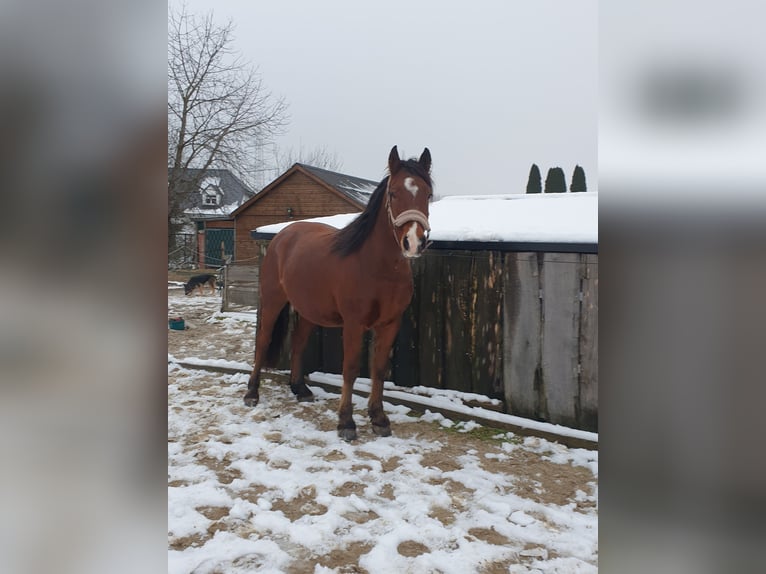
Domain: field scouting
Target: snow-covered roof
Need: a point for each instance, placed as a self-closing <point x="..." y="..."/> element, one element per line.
<point x="214" y="212"/>
<point x="356" y="188"/>
<point x="231" y="192"/>
<point x="534" y="218"/>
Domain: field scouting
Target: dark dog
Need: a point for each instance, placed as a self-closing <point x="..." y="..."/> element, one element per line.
<point x="199" y="281"/>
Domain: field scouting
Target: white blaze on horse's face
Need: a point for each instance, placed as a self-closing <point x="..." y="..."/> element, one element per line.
<point x="411" y="186"/>
<point x="410" y="248"/>
<point x="408" y="211"/>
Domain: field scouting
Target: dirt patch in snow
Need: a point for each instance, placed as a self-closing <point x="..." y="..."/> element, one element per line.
<point x="363" y="481"/>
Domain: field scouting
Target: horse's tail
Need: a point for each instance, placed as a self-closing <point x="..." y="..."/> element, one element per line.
<point x="278" y="336"/>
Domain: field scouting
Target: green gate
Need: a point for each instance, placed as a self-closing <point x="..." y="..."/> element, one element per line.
<point x="219" y="245"/>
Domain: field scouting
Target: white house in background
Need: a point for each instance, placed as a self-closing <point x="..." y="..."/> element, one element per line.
<point x="218" y="193"/>
<point x="206" y="214"/>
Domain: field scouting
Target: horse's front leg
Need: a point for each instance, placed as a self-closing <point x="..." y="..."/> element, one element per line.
<point x="352" y="350"/>
<point x="384" y="340"/>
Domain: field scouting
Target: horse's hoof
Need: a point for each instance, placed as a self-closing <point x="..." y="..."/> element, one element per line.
<point x="251" y="401"/>
<point x="347" y="434"/>
<point x="381" y="430"/>
<point x="302" y="393"/>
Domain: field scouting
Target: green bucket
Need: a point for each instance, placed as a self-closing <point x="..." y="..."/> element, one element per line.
<point x="176" y="323"/>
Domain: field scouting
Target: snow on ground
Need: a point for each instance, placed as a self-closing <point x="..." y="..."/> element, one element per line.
<point x="557" y="217"/>
<point x="273" y="489"/>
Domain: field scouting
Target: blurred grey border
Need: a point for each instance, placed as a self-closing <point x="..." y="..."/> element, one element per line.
<point x="82" y="286"/>
<point x="682" y="176"/>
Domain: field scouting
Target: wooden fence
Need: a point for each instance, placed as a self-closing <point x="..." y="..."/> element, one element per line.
<point x="521" y="326"/>
<point x="240" y="287"/>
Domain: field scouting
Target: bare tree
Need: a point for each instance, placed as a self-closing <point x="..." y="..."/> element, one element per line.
<point x="316" y="157"/>
<point x="219" y="111"/>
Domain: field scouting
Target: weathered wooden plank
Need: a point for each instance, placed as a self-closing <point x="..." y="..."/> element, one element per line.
<point x="240" y="286"/>
<point x="367" y="350"/>
<point x="243" y="296"/>
<point x="284" y="356"/>
<point x="522" y="324"/>
<point x="312" y="355"/>
<point x="224" y="294"/>
<point x="405" y="370"/>
<point x="243" y="288"/>
<point x="588" y="406"/>
<point x="242" y="273"/>
<point x="486" y="324"/>
<point x="432" y="292"/>
<point x="324" y="351"/>
<point x="457" y="358"/>
<point x="332" y="349"/>
<point x="560" y="344"/>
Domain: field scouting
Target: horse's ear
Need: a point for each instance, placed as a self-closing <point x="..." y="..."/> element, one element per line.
<point x="394" y="163"/>
<point x="425" y="160"/>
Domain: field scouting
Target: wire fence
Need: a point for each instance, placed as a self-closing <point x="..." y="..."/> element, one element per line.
<point x="182" y="251"/>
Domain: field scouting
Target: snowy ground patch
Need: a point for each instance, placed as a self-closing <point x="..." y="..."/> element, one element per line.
<point x="273" y="489"/>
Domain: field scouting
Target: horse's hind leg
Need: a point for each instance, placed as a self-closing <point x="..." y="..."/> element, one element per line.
<point x="301" y="335"/>
<point x="384" y="339"/>
<point x="269" y="314"/>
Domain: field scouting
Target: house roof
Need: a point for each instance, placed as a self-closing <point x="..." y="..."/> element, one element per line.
<point x="355" y="190"/>
<point x="231" y="191"/>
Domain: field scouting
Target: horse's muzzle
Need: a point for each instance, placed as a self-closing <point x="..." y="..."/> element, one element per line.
<point x="412" y="245"/>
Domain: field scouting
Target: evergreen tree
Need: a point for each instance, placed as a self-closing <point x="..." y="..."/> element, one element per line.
<point x="578" y="180"/>
<point x="534" y="183"/>
<point x="555" y="181"/>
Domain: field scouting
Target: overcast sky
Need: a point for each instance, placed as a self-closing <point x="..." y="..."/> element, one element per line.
<point x="489" y="86"/>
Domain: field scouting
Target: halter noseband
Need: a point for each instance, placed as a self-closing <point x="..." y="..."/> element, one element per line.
<point x="405" y="216"/>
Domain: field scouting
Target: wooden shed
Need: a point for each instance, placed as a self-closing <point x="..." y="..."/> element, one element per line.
<point x="302" y="192"/>
<point x="509" y="311"/>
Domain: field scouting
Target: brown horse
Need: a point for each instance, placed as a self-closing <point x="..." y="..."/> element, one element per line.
<point x="358" y="277"/>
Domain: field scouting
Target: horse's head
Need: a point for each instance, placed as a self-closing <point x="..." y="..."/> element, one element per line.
<point x="407" y="197"/>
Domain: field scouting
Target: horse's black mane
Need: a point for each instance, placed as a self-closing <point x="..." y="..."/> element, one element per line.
<point x="351" y="237"/>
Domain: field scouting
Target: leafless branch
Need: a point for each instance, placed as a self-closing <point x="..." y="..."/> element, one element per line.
<point x="317" y="157"/>
<point x="219" y="110"/>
